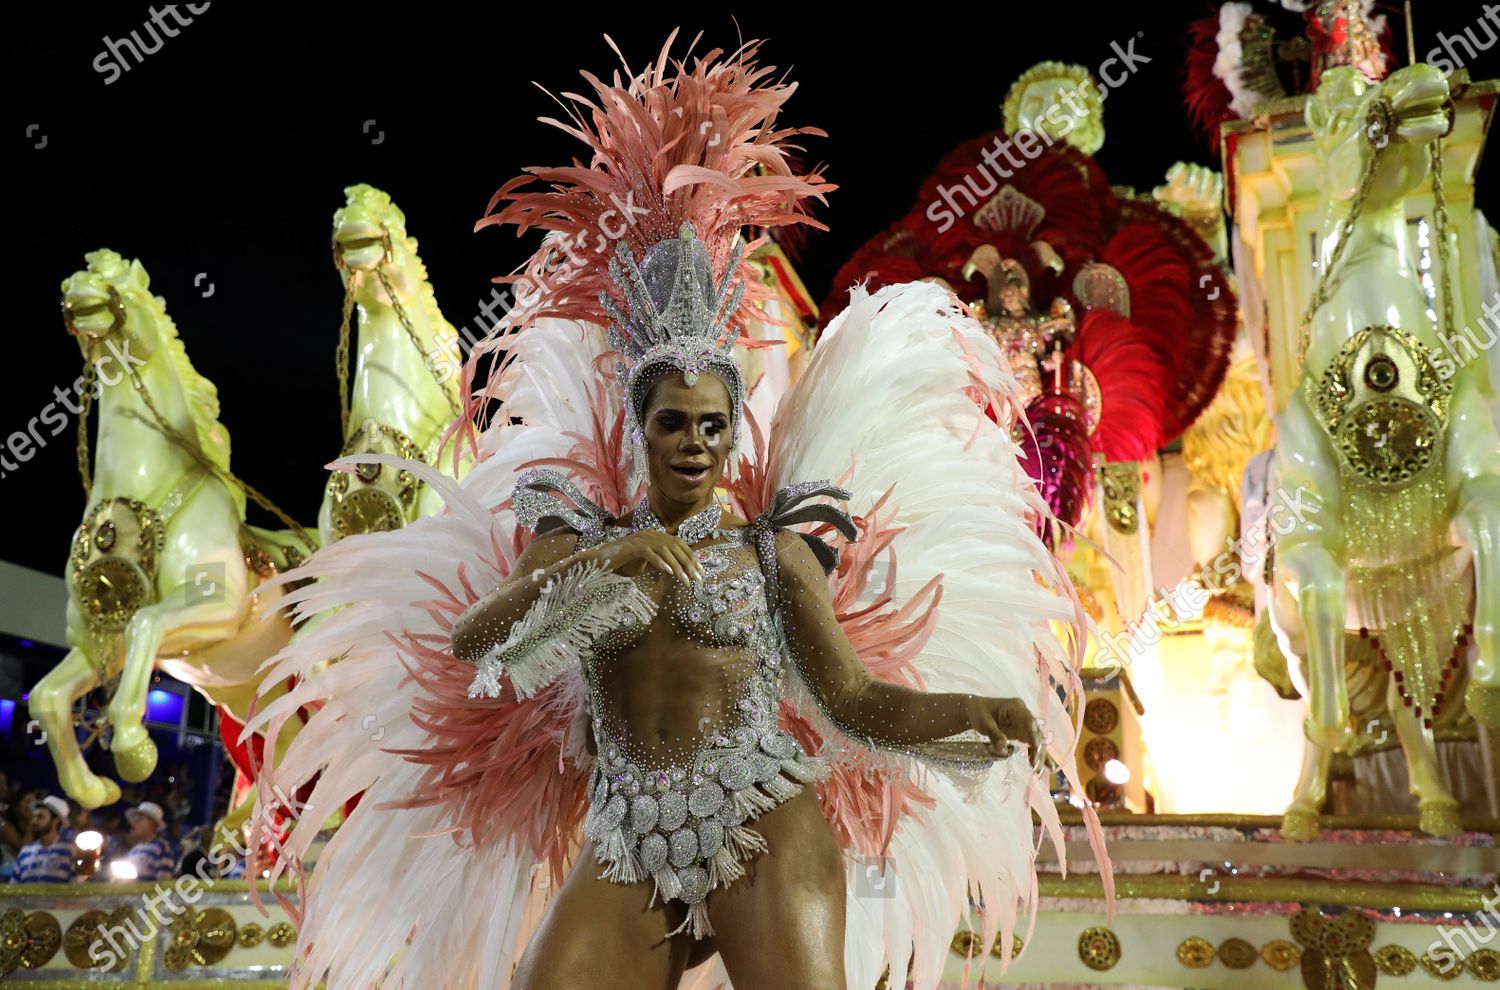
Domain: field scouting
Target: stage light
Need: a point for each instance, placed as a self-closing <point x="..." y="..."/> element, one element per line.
<point x="164" y="706"/>
<point x="90" y="846"/>
<point x="122" y="869"/>
<point x="1116" y="773"/>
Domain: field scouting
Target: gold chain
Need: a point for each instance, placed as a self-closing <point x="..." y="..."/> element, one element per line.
<point x="223" y="474"/>
<point x="1320" y="295"/>
<point x="411" y="333"/>
<point x="1440" y="231"/>
<point x="341" y="355"/>
<point x="90" y="377"/>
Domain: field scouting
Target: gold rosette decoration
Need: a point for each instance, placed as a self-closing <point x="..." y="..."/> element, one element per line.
<point x="87" y="930"/>
<point x="200" y="938"/>
<point x="1335" y="950"/>
<point x="27" y="941"/>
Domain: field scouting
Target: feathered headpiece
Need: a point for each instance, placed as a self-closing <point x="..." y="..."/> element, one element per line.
<point x="646" y="236"/>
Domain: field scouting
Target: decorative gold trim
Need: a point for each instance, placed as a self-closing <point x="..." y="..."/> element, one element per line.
<point x="1281" y="955"/>
<point x="92" y="891"/>
<point x="1195" y="953"/>
<point x="1121" y="484"/>
<point x="1272" y="890"/>
<point x="1385" y="823"/>
<point x="1099" y="948"/>
<point x="1395" y="960"/>
<point x="1236" y="953"/>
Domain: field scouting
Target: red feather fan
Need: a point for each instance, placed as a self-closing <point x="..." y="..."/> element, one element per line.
<point x="1156" y="369"/>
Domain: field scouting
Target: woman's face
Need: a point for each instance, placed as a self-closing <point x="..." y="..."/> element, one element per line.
<point x="687" y="437"/>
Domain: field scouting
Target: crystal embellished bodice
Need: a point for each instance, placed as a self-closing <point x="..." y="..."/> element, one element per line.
<point x="723" y="609"/>
<point x="702" y="661"/>
<point x="734" y="671"/>
<point x="679" y="814"/>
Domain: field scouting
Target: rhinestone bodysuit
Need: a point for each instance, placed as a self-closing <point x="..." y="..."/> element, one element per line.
<point x="677" y="812"/>
<point x="678" y="818"/>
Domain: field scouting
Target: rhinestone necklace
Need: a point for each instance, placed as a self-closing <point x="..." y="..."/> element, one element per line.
<point x="700" y="526"/>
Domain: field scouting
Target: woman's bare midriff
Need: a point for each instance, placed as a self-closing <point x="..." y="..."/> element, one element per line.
<point x="668" y="691"/>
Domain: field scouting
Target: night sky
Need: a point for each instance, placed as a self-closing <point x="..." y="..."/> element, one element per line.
<point x="226" y="152"/>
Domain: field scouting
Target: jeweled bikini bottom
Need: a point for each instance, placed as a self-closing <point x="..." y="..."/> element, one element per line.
<point x="685" y="828"/>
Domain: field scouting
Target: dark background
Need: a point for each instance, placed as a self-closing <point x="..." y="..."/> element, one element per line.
<point x="226" y="153"/>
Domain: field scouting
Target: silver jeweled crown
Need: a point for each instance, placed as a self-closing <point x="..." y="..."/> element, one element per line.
<point x="677" y="315"/>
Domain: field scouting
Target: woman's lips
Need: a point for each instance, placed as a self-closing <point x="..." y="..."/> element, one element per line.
<point x="690" y="473"/>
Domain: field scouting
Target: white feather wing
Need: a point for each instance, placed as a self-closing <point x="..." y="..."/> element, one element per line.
<point x="890" y="394"/>
<point x="390" y="902"/>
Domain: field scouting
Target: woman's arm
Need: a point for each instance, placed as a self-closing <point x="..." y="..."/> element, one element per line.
<point x="488" y="621"/>
<point x="860" y="704"/>
<point x="541" y="620"/>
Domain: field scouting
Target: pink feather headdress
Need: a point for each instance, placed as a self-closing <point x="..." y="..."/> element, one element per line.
<point x="672" y="145"/>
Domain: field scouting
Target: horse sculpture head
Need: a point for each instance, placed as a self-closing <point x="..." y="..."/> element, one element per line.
<point x="1354" y="119"/>
<point x="110" y="303"/>
<point x="120" y="327"/>
<point x="369" y="233"/>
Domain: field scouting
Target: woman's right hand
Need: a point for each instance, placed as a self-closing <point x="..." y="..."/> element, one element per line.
<point x="649" y="548"/>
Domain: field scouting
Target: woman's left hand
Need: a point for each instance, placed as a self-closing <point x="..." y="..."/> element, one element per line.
<point x="1004" y="721"/>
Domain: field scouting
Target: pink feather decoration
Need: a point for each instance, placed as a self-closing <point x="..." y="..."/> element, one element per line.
<point x="673" y="144"/>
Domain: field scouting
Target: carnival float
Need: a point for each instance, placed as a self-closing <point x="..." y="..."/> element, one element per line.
<point x="1258" y="403"/>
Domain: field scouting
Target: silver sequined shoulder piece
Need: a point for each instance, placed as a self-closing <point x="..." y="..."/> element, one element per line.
<point x="546" y="500"/>
<point x="789" y="507"/>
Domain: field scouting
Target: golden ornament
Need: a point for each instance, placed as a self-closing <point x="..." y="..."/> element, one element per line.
<point x="1236" y="953"/>
<point x="1099" y="948"/>
<point x="1195" y="953"/>
<point x="1395" y="960"/>
<point x="1280" y="955"/>
<point x="281" y="934"/>
<point x="1484" y="964"/>
<point x="88" y="929"/>
<point x="1446" y="969"/>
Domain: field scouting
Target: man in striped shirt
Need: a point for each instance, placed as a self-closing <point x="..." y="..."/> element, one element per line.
<point x="48" y="859"/>
<point x="150" y="851"/>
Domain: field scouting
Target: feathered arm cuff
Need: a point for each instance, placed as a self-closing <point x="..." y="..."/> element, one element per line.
<point x="571" y="613"/>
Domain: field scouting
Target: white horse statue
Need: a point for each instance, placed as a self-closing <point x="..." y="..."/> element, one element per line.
<point x="1391" y="471"/>
<point x="163" y="569"/>
<point x="404" y="393"/>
